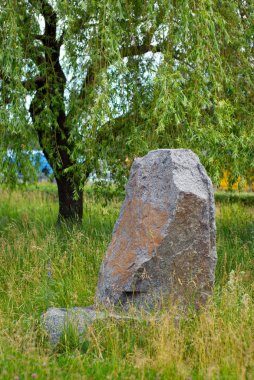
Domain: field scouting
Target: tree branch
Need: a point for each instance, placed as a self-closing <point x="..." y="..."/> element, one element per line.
<point x="34" y="83"/>
<point x="115" y="127"/>
<point x="93" y="68"/>
<point x="131" y="51"/>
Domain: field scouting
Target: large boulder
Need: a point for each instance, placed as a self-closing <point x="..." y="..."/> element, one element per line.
<point x="163" y="244"/>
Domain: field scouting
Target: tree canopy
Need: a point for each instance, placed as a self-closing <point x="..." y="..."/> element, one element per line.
<point x="92" y="82"/>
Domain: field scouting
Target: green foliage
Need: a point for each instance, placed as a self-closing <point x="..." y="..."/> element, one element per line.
<point x="234" y="197"/>
<point x="104" y="193"/>
<point x="70" y="341"/>
<point x="216" y="343"/>
<point x="133" y="76"/>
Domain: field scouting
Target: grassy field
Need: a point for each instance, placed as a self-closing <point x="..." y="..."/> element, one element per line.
<point x="216" y="343"/>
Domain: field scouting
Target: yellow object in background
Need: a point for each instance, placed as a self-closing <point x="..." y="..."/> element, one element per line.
<point x="246" y="185"/>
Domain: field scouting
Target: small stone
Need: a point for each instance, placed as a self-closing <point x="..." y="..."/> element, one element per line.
<point x="56" y="320"/>
<point x="163" y="244"/>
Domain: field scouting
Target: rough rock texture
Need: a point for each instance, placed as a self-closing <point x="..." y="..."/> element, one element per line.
<point x="56" y="320"/>
<point x="163" y="243"/>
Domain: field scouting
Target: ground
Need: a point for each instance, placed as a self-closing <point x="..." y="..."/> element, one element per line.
<point x="42" y="265"/>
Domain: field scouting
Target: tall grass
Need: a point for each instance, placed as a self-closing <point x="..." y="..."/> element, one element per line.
<point x="42" y="266"/>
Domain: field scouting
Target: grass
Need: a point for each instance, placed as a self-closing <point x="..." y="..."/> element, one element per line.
<point x="246" y="198"/>
<point x="216" y="343"/>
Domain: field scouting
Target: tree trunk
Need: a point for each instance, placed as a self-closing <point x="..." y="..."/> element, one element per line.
<point x="70" y="201"/>
<point x="55" y="139"/>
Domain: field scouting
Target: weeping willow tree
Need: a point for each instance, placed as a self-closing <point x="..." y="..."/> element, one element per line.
<point x="95" y="82"/>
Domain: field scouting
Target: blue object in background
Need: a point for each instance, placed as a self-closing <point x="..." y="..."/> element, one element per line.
<point x="39" y="159"/>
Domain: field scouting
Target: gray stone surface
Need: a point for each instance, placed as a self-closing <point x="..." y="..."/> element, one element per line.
<point x="56" y="320"/>
<point x="163" y="244"/>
